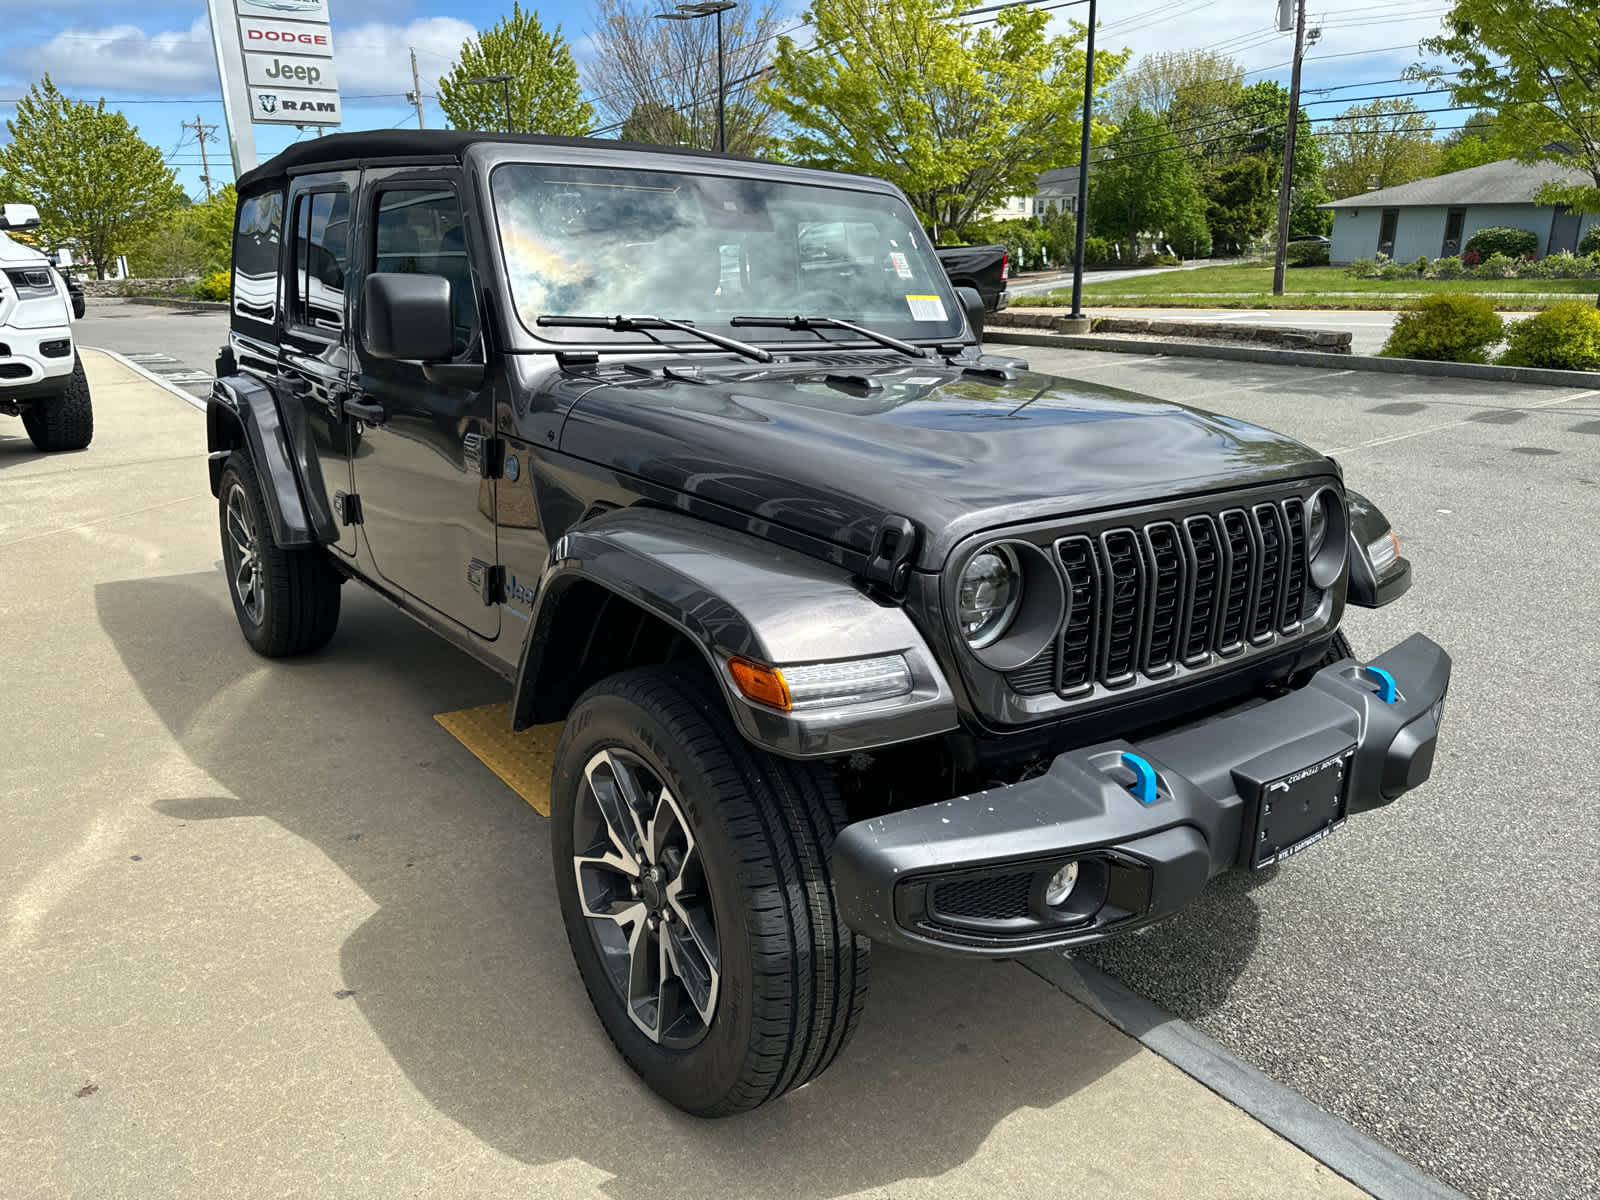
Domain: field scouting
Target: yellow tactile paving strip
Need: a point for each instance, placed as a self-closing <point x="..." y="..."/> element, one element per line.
<point x="523" y="760"/>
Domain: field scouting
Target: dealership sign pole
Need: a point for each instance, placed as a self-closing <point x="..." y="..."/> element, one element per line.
<point x="276" y="68"/>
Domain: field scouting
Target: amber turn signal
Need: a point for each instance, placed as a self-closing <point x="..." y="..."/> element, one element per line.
<point x="759" y="683"/>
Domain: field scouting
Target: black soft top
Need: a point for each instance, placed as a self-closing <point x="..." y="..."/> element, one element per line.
<point x="432" y="143"/>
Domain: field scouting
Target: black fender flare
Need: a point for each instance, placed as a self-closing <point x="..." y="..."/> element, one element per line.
<point x="242" y="414"/>
<point x="1371" y="587"/>
<point x="732" y="594"/>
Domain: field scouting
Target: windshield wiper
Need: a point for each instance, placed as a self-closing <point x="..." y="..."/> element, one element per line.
<point x="621" y="324"/>
<point x="799" y="323"/>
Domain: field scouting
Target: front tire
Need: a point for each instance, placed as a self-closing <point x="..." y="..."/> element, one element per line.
<point x="65" y="422"/>
<point x="693" y="877"/>
<point x="287" y="601"/>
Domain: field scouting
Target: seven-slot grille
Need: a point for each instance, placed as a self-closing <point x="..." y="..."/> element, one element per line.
<point x="1190" y="591"/>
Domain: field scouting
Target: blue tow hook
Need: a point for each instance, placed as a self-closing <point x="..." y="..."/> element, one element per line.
<point x="1144" y="782"/>
<point x="1388" y="690"/>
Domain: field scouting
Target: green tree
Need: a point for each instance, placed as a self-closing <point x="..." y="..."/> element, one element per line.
<point x="1261" y="118"/>
<point x="961" y="116"/>
<point x="1144" y="185"/>
<point x="1536" y="63"/>
<point x="95" y="181"/>
<point x="543" y="90"/>
<point x="1378" y="145"/>
<point x="1241" y="203"/>
<point x="1187" y="87"/>
<point x="191" y="239"/>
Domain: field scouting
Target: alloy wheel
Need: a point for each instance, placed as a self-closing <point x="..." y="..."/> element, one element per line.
<point x="643" y="891"/>
<point x="244" y="557"/>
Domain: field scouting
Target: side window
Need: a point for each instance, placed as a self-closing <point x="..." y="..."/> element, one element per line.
<point x="255" y="257"/>
<point x="321" y="256"/>
<point x="419" y="231"/>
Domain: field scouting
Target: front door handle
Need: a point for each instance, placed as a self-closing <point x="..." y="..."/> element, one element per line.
<point x="372" y="414"/>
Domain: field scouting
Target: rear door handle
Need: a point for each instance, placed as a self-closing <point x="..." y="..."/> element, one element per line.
<point x="372" y="414"/>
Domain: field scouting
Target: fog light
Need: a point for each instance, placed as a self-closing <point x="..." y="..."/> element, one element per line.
<point x="1061" y="885"/>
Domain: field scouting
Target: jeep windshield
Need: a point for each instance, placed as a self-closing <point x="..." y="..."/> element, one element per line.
<point x="603" y="241"/>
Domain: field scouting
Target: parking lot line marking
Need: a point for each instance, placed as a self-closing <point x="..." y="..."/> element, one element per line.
<point x="523" y="761"/>
<point x="188" y="397"/>
<point x="1400" y="437"/>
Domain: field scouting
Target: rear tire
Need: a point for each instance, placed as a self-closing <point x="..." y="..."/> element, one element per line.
<point x="287" y="601"/>
<point x="65" y="422"/>
<point x="728" y="862"/>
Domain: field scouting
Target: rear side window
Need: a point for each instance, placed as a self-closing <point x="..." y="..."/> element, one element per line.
<point x="419" y="231"/>
<point x="256" y="240"/>
<point x="321" y="257"/>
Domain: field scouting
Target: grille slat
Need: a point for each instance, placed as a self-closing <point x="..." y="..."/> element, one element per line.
<point x="1180" y="592"/>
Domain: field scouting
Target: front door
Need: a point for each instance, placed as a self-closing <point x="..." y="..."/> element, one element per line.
<point x="314" y="351"/>
<point x="427" y="505"/>
<point x="1455" y="220"/>
<point x="1564" y="230"/>
<point x="1386" y="228"/>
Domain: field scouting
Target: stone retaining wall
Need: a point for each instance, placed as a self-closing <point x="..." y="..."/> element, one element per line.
<point x="1290" y="338"/>
<point x="137" y="287"/>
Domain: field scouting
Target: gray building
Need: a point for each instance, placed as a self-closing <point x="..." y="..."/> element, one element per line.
<point x="1435" y="217"/>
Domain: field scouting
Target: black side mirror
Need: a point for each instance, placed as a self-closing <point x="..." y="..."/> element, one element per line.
<point x="972" y="305"/>
<point x="408" y="317"/>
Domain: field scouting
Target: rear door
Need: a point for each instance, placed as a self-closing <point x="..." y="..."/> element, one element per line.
<point x="424" y="470"/>
<point x="314" y="350"/>
<point x="1564" y="230"/>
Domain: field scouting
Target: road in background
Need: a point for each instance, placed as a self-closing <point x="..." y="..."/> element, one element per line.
<point x="179" y="345"/>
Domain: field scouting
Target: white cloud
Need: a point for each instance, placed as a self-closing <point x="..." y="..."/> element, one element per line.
<point x="371" y="58"/>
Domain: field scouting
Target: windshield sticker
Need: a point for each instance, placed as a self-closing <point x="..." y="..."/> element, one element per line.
<point x="902" y="267"/>
<point x="926" y="308"/>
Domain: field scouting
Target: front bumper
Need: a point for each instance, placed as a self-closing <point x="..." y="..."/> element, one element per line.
<point x="37" y="362"/>
<point x="969" y="875"/>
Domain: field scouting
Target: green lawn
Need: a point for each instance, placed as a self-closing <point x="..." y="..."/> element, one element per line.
<point x="1310" y="287"/>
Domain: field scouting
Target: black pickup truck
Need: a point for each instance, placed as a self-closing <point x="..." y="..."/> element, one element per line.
<point x="984" y="269"/>
<point x="858" y="633"/>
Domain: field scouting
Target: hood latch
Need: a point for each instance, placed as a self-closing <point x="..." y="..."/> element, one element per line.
<point x="894" y="545"/>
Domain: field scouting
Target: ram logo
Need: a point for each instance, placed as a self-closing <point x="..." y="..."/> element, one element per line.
<point x="268" y="101"/>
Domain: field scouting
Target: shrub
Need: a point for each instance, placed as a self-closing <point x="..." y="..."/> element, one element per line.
<point x="1421" y="265"/>
<point x="1096" y="251"/>
<point x="1159" y="260"/>
<point x="216" y="286"/>
<point x="1447" y="327"/>
<point x="1308" y="254"/>
<point x="1591" y="240"/>
<point x="1471" y="258"/>
<point x="1565" y="336"/>
<point x="1361" y="268"/>
<point x="1571" y="266"/>
<point x="1503" y="239"/>
<point x="1496" y="266"/>
<point x="1394" y="270"/>
<point x="1448" y="268"/>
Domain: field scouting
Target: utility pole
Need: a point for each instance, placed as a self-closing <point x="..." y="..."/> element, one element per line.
<point x="1280" y="259"/>
<point x="416" y="90"/>
<point x="201" y="133"/>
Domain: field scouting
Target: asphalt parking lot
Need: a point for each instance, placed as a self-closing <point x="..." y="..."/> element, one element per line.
<point x="287" y="932"/>
<point x="1430" y="974"/>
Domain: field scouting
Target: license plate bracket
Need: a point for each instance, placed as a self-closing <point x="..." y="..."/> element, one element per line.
<point x="1298" y="810"/>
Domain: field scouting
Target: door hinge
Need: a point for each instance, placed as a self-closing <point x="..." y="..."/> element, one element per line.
<point x="489" y="579"/>
<point x="347" y="507"/>
<point x="889" y="561"/>
<point x="484" y="455"/>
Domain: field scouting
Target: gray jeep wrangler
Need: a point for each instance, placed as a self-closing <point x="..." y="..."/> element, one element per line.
<point x="859" y="634"/>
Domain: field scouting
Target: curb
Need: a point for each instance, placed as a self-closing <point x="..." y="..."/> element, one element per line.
<point x="178" y="302"/>
<point x="1302" y="358"/>
<point x="1343" y="1150"/>
<point x="177" y="391"/>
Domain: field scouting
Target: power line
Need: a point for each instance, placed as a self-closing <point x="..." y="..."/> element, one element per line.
<point x="201" y="133"/>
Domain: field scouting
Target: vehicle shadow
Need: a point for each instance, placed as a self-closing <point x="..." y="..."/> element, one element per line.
<point x="463" y="970"/>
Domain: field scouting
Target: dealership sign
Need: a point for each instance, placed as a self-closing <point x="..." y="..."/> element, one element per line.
<point x="287" y="56"/>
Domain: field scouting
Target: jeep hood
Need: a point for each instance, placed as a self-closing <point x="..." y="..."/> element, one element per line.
<point x="956" y="452"/>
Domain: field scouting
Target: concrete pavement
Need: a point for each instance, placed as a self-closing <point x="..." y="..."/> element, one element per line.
<point x="268" y="929"/>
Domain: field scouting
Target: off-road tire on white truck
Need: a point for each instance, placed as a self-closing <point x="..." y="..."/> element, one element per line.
<point x="287" y="601"/>
<point x="64" y="422"/>
<point x="734" y="844"/>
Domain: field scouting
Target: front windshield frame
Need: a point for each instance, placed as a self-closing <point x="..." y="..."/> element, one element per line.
<point x="789" y="190"/>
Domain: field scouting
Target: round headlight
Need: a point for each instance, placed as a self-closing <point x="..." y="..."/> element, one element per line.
<point x="989" y="595"/>
<point x="1317" y="524"/>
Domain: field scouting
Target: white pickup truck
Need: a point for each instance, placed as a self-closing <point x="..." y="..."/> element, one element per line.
<point x="41" y="377"/>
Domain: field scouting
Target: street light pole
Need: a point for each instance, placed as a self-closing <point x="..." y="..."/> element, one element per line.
<point x="692" y="12"/>
<point x="1083" y="172"/>
<point x="1280" y="256"/>
<point x="504" y="80"/>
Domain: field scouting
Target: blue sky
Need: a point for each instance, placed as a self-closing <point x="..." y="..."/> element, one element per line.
<point x="154" y="59"/>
